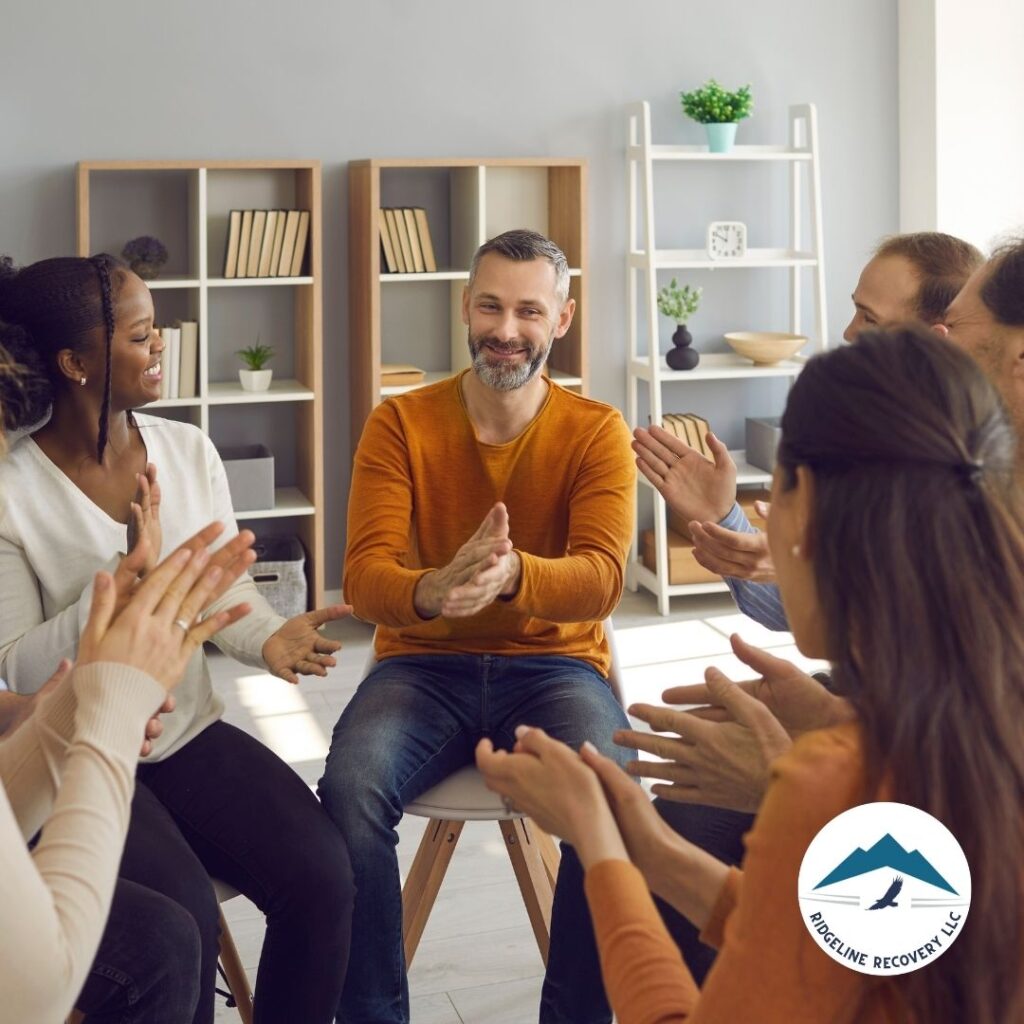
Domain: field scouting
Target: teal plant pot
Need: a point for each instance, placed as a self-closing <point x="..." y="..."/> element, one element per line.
<point x="721" y="137"/>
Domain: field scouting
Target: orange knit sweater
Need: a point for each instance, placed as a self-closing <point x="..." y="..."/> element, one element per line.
<point x="422" y="484"/>
<point x="769" y="969"/>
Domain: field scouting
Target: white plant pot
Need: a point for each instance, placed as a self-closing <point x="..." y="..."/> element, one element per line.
<point x="255" y="380"/>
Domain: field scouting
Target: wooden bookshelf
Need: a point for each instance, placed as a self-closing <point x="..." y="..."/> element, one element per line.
<point x="186" y="204"/>
<point x="416" y="317"/>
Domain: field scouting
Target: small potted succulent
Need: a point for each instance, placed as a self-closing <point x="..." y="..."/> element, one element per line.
<point x="679" y="304"/>
<point x="719" y="111"/>
<point x="145" y="255"/>
<point x="256" y="377"/>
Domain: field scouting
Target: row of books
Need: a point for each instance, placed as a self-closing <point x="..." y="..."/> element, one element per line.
<point x="179" y="364"/>
<point x="691" y="428"/>
<point x="405" y="241"/>
<point x="266" y="243"/>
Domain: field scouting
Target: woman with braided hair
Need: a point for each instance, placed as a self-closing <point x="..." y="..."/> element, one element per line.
<point x="75" y="493"/>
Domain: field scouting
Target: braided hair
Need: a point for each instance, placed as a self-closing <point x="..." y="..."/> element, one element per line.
<point x="47" y="307"/>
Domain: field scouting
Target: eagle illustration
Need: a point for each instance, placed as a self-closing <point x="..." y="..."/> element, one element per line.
<point x="889" y="899"/>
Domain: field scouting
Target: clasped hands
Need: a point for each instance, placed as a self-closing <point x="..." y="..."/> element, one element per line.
<point x="703" y="493"/>
<point x="485" y="568"/>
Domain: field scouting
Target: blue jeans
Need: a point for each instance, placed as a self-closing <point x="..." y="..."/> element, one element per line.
<point x="412" y="722"/>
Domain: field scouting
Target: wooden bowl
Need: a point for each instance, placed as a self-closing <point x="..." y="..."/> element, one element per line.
<point x="765" y="348"/>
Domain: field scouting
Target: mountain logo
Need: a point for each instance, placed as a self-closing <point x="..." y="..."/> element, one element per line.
<point x="884" y="888"/>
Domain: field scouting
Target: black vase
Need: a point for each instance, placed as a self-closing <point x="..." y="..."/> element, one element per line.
<point x="681" y="356"/>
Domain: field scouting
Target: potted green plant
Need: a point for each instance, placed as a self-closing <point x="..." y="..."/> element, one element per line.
<point x="256" y="377"/>
<point x="719" y="111"/>
<point x="145" y="255"/>
<point x="679" y="304"/>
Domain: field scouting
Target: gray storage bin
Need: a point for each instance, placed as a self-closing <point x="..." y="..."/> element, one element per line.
<point x="250" y="472"/>
<point x="279" y="573"/>
<point x="763" y="437"/>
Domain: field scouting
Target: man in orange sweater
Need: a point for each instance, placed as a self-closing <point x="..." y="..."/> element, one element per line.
<point x="489" y="520"/>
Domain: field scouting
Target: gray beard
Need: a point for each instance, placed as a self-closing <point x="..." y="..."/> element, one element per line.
<point x="502" y="377"/>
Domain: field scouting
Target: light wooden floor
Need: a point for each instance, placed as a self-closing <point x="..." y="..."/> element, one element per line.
<point x="477" y="962"/>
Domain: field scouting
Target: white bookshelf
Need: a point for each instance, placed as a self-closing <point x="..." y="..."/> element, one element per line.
<point x="186" y="204"/>
<point x="646" y="365"/>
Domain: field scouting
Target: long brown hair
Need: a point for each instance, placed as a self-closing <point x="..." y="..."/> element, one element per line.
<point x="919" y="559"/>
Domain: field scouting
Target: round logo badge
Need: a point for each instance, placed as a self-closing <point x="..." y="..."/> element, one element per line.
<point x="885" y="888"/>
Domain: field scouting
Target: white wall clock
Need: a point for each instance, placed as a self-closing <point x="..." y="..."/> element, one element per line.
<point x="727" y="239"/>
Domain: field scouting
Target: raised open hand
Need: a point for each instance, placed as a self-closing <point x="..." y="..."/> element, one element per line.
<point x="144" y="517"/>
<point x="692" y="486"/>
<point x="298" y="647"/>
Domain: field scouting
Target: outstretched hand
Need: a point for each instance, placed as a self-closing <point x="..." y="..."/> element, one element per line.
<point x="298" y="647"/>
<point x="692" y="486"/>
<point x="722" y="764"/>
<point x="796" y="699"/>
<point x="155" y="627"/>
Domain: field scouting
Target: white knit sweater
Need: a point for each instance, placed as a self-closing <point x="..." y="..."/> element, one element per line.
<point x="53" y="539"/>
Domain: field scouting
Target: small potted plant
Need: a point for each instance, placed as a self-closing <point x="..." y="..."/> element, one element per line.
<point x="145" y="255"/>
<point x="679" y="304"/>
<point x="719" y="111"/>
<point x="256" y="377"/>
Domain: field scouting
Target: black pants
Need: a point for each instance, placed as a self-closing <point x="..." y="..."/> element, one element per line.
<point x="720" y="833"/>
<point x="147" y="967"/>
<point x="225" y="806"/>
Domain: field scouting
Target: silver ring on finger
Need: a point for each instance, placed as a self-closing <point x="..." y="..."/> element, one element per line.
<point x="182" y="625"/>
<point x="510" y="808"/>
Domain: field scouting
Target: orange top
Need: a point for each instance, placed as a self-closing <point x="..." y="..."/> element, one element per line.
<point x="769" y="968"/>
<point x="422" y="484"/>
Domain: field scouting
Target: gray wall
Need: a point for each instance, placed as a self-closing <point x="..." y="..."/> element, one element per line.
<point x="341" y="81"/>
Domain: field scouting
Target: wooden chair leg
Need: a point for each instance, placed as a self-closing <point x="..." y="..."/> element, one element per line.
<point x="549" y="853"/>
<point x="524" y="850"/>
<point x="238" y="982"/>
<point x="424" y="880"/>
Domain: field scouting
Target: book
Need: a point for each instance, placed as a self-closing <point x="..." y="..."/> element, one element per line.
<point x="165" y="367"/>
<point x="403" y="241"/>
<point x="673" y="423"/>
<point x="188" y="360"/>
<point x="259" y="220"/>
<point x="390" y="266"/>
<point x="302" y="233"/>
<point x="275" y="252"/>
<point x="170" y="370"/>
<point x="414" y="240"/>
<point x="291" y="227"/>
<point x="701" y="429"/>
<point x="243" y="244"/>
<point x="231" y="249"/>
<point x="392" y="374"/>
<point x="267" y="245"/>
<point x="425" y="243"/>
<point x="396" y="245"/>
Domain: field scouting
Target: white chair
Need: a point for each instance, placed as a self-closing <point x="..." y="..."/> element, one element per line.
<point x="463" y="797"/>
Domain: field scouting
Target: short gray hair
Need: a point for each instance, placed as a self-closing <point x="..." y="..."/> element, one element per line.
<point x="522" y="245"/>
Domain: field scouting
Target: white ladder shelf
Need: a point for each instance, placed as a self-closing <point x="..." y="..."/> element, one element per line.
<point x="644" y="260"/>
